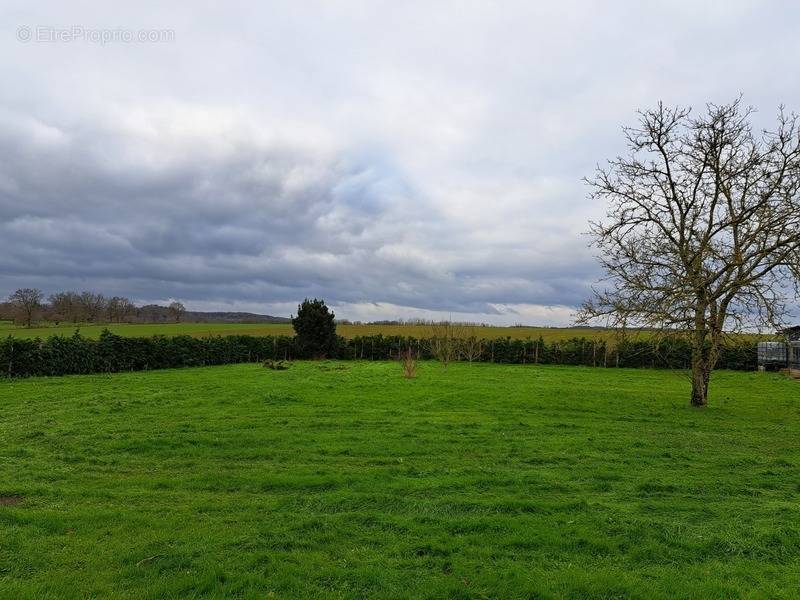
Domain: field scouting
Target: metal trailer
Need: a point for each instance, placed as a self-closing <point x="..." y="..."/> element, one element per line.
<point x="772" y="356"/>
<point x="794" y="357"/>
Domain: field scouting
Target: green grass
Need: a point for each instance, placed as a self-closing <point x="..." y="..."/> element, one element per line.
<point x="344" y="480"/>
<point x="204" y="329"/>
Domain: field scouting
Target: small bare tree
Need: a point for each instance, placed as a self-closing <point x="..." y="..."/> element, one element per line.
<point x="470" y="345"/>
<point x="444" y="341"/>
<point x="703" y="230"/>
<point x="27" y="301"/>
<point x="408" y="360"/>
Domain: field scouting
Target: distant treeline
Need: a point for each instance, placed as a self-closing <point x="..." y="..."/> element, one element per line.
<point x="111" y="353"/>
<point x="28" y="305"/>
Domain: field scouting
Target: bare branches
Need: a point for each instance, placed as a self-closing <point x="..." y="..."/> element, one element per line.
<point x="27" y="301"/>
<point x="443" y="340"/>
<point x="701" y="211"/>
<point x="703" y="226"/>
<point x="454" y="341"/>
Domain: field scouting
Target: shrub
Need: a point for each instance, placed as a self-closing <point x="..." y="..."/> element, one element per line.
<point x="315" y="329"/>
<point x="408" y="359"/>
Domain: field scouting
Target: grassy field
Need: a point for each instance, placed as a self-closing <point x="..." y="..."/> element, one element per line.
<point x="349" y="331"/>
<point x="344" y="480"/>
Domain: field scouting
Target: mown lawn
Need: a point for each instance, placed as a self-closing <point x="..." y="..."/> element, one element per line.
<point x="344" y="480"/>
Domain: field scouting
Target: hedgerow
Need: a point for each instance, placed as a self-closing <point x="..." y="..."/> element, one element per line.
<point x="111" y="353"/>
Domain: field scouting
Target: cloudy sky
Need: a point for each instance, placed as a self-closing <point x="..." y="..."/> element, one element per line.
<point x="399" y="159"/>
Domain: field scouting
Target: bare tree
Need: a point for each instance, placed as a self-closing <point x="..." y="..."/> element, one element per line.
<point x="112" y="309"/>
<point x="27" y="301"/>
<point x="117" y="308"/>
<point x="444" y="341"/>
<point x="66" y="306"/>
<point x="470" y="344"/>
<point x="703" y="230"/>
<point x="92" y="305"/>
<point x="177" y="310"/>
<point x="125" y="309"/>
<point x="7" y="311"/>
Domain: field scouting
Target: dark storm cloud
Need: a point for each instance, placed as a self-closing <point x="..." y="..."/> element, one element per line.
<point x="259" y="224"/>
<point x="215" y="220"/>
<point x="272" y="152"/>
<point x="256" y="222"/>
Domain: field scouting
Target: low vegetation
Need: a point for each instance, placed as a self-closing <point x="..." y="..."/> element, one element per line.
<point x="111" y="353"/>
<point x="346" y="480"/>
<point x="408" y="361"/>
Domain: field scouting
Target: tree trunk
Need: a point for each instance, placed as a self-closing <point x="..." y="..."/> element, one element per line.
<point x="701" y="363"/>
<point x="701" y="367"/>
<point x="700" y="377"/>
<point x="704" y="359"/>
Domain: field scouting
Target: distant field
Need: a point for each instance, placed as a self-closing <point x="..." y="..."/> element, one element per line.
<point x="204" y="329"/>
<point x="344" y="480"/>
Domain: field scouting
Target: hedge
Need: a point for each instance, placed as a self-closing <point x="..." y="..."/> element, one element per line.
<point x="111" y="353"/>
